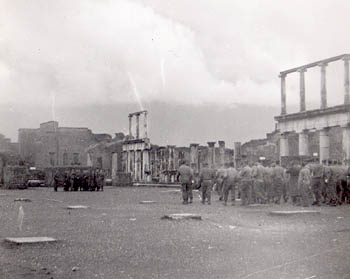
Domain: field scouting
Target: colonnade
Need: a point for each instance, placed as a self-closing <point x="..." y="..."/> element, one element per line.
<point x="323" y="92"/>
<point x="324" y="144"/>
<point x="320" y="120"/>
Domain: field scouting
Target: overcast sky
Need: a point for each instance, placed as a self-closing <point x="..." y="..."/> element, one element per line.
<point x="199" y="53"/>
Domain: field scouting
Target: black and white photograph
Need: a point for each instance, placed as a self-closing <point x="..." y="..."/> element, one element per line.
<point x="174" y="139"/>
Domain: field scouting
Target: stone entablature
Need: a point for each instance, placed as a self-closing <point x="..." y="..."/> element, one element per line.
<point x="314" y="119"/>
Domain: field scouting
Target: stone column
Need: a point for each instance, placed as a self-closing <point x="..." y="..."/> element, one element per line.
<point x="324" y="144"/>
<point x="222" y="153"/>
<point x="346" y="80"/>
<point x="237" y="153"/>
<point x="138" y="165"/>
<point x="323" y="86"/>
<point x="145" y="124"/>
<point x="211" y="154"/>
<point x="284" y="145"/>
<point x="303" y="144"/>
<point x="194" y="156"/>
<point x="130" y="125"/>
<point x="171" y="162"/>
<point x="346" y="144"/>
<point x="146" y="165"/>
<point x="137" y="126"/>
<point x="283" y="95"/>
<point x="302" y="89"/>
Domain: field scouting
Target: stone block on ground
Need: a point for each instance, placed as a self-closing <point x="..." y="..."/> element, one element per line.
<point x="182" y="216"/>
<point x="30" y="240"/>
<point x="293" y="212"/>
<point x="23" y="199"/>
<point x="258" y="205"/>
<point x="147" y="202"/>
<point x="77" y="207"/>
<point x="172" y="191"/>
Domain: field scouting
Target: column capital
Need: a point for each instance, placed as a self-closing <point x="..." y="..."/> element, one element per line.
<point x="302" y="70"/>
<point x="285" y="134"/>
<point x="211" y="143"/>
<point x="221" y="143"/>
<point x="346" y="58"/>
<point x="324" y="130"/>
<point x="323" y="64"/>
<point x="282" y="75"/>
<point x="194" y="144"/>
<point x="347" y="125"/>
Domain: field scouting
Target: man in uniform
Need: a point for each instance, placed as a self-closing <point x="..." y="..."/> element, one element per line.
<point x="56" y="181"/>
<point x="229" y="183"/>
<point x="220" y="175"/>
<point x="268" y="183"/>
<point x="304" y="182"/>
<point x="317" y="181"/>
<point x="293" y="182"/>
<point x="100" y="180"/>
<point x="66" y="182"/>
<point x="185" y="175"/>
<point x="206" y="180"/>
<point x="278" y="182"/>
<point x="245" y="176"/>
<point x="258" y="184"/>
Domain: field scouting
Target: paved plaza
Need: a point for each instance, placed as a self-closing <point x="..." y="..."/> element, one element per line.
<point x="113" y="235"/>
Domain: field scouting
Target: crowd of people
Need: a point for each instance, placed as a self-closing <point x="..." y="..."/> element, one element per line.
<point x="79" y="180"/>
<point x="301" y="184"/>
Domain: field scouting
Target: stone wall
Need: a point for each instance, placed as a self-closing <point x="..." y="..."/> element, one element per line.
<point x="51" y="145"/>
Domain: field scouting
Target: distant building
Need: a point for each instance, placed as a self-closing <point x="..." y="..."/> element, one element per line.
<point x="51" y="145"/>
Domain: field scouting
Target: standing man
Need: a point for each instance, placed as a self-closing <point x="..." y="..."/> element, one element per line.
<point x="206" y="180"/>
<point x="294" y="191"/>
<point x="220" y="175"/>
<point x="258" y="184"/>
<point x="304" y="182"/>
<point x="229" y="183"/>
<point x="278" y="182"/>
<point x="317" y="173"/>
<point x="245" y="176"/>
<point x="185" y="175"/>
<point x="56" y="181"/>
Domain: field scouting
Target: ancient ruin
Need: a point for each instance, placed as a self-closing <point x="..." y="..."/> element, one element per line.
<point x="327" y="126"/>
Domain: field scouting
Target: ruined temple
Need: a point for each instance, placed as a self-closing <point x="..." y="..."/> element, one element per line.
<point x="322" y="133"/>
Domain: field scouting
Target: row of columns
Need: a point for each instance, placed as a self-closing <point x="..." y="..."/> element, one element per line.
<point x="137" y="162"/>
<point x="137" y="127"/>
<point x="323" y="87"/>
<point x="194" y="154"/>
<point x="324" y="144"/>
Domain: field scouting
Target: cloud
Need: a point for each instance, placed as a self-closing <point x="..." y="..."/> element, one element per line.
<point x="223" y="52"/>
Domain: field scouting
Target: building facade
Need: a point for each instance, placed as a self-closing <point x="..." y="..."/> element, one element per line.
<point x="51" y="145"/>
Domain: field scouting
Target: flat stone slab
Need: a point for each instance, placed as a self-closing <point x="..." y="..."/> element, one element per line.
<point x="23" y="199"/>
<point x="258" y="205"/>
<point x="172" y="191"/>
<point x="182" y="216"/>
<point x="293" y="212"/>
<point x="77" y="207"/>
<point x="29" y="240"/>
<point x="147" y="202"/>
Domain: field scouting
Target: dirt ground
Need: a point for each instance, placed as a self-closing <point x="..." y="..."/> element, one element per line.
<point x="117" y="237"/>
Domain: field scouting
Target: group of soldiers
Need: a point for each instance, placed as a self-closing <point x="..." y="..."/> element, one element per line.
<point x="303" y="184"/>
<point x="79" y="180"/>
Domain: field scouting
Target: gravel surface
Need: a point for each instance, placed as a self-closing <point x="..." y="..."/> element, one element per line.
<point x="119" y="237"/>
